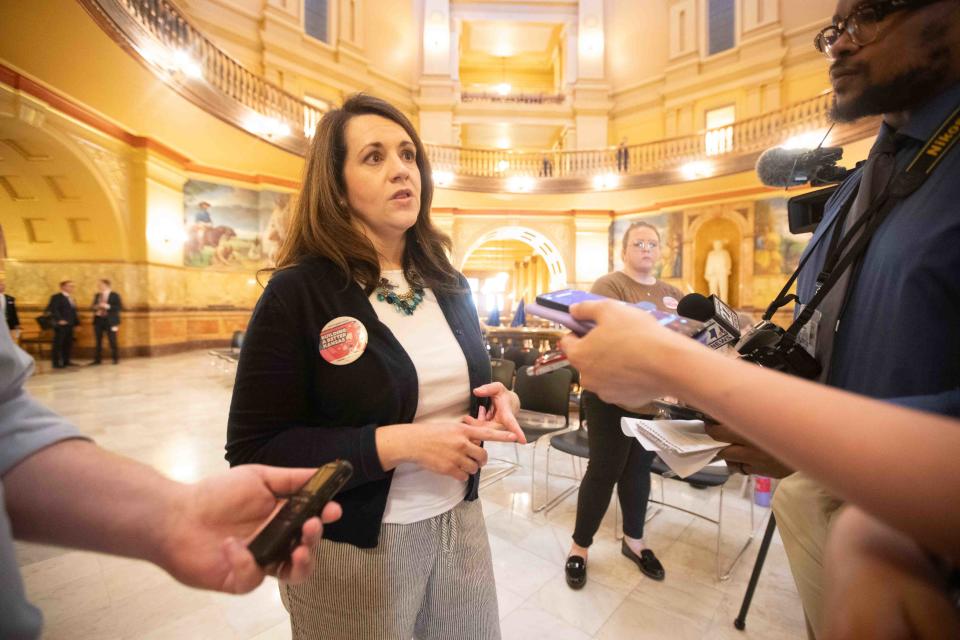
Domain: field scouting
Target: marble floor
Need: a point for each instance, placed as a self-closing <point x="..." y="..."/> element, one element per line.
<point x="170" y="412"/>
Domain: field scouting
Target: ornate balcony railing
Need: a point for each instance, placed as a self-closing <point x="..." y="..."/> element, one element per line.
<point x="512" y="98"/>
<point x="746" y="136"/>
<point x="159" y="33"/>
<point x="177" y="52"/>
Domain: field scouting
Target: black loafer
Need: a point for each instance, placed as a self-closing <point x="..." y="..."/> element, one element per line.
<point x="576" y="571"/>
<point x="648" y="563"/>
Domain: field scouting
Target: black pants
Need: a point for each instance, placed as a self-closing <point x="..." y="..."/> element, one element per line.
<point x="62" y="344"/>
<point x="615" y="459"/>
<point x="102" y="326"/>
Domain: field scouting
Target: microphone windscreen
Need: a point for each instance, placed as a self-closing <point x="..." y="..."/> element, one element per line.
<point x="776" y="167"/>
<point x="696" y="307"/>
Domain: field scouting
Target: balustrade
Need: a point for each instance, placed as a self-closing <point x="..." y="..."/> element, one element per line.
<point x="241" y="92"/>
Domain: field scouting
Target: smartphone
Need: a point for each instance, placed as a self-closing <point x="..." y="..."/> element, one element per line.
<point x="558" y="303"/>
<point x="561" y="300"/>
<point x="676" y="411"/>
<point x="558" y="316"/>
<point x="277" y="540"/>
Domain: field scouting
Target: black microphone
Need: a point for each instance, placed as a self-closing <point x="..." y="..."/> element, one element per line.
<point x="779" y="167"/>
<point x="721" y="323"/>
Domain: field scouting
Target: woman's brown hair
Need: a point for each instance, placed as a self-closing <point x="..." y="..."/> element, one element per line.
<point x="322" y="223"/>
<point x="638" y="225"/>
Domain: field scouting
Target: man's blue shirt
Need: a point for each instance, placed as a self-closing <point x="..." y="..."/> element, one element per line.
<point x="899" y="336"/>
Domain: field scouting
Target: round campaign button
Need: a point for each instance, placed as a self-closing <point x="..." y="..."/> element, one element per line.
<point x="670" y="302"/>
<point x="343" y="340"/>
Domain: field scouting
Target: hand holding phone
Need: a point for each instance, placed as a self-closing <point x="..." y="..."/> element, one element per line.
<point x="281" y="535"/>
<point x="555" y="306"/>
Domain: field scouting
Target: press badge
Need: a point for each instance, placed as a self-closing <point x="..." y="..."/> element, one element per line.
<point x="807" y="338"/>
<point x="343" y="340"/>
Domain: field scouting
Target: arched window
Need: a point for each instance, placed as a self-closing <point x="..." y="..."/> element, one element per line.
<point x="315" y="19"/>
<point x="721" y="24"/>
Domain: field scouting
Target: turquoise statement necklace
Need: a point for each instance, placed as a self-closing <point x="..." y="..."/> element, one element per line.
<point x="405" y="303"/>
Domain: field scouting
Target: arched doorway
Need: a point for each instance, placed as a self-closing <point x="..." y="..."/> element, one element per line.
<point x="539" y="243"/>
<point x="510" y="263"/>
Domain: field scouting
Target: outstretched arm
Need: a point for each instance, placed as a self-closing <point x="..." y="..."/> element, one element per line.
<point x="897" y="464"/>
<point x="75" y="494"/>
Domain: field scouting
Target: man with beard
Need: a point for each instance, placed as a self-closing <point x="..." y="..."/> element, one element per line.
<point x="900" y="302"/>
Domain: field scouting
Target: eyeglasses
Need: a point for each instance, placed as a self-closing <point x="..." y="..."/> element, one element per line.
<point x="640" y="244"/>
<point x="863" y="24"/>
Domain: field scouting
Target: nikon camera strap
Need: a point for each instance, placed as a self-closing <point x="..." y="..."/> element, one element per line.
<point x="899" y="188"/>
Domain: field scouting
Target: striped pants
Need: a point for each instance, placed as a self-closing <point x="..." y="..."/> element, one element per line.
<point x="429" y="580"/>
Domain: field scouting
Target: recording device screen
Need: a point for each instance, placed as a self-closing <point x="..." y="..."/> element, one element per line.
<point x="277" y="540"/>
<point x="560" y="302"/>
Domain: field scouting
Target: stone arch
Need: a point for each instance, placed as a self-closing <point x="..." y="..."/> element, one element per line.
<point x="69" y="176"/>
<point x="541" y="245"/>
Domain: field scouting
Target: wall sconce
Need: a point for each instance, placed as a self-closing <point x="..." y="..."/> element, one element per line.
<point x="262" y="125"/>
<point x="172" y="62"/>
<point x="591" y="38"/>
<point x="165" y="230"/>
<point x="809" y="140"/>
<point x="696" y="170"/>
<point x="436" y="34"/>
<point x="520" y="184"/>
<point x="606" y="181"/>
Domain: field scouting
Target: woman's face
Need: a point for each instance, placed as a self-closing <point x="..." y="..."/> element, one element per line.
<point x="381" y="175"/>
<point x="643" y="250"/>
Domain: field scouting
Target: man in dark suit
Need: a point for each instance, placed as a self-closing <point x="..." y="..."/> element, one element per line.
<point x="63" y="308"/>
<point x="9" y="304"/>
<point x="106" y="318"/>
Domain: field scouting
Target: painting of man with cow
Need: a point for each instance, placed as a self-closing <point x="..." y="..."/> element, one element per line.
<point x="232" y="228"/>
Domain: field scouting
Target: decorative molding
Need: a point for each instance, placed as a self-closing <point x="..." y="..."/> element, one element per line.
<point x="114" y="170"/>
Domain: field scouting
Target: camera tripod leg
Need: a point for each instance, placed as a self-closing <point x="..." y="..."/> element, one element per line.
<point x="741" y="621"/>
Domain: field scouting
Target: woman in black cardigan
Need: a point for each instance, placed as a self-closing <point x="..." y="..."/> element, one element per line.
<point x="365" y="346"/>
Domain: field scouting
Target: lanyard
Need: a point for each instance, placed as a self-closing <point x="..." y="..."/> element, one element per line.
<point x="900" y="187"/>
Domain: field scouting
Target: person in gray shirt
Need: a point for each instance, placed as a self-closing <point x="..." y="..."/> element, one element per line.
<point x="59" y="488"/>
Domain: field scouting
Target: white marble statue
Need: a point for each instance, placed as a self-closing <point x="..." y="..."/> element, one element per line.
<point x="717" y="272"/>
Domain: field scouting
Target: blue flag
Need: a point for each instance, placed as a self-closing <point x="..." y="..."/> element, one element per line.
<point x="494" y="319"/>
<point x="520" y="317"/>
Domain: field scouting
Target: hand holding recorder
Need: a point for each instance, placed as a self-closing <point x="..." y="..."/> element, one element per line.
<point x="202" y="548"/>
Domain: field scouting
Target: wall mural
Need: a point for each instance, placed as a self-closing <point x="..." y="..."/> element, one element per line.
<point x="232" y="228"/>
<point x="776" y="250"/>
<point x="670" y="226"/>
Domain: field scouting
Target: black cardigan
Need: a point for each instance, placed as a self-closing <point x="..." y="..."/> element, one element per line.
<point x="291" y="408"/>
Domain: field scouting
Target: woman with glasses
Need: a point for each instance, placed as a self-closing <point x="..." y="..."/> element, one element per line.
<point x="616" y="459"/>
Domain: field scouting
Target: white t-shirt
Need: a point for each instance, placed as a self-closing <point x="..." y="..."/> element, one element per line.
<point x="444" y="396"/>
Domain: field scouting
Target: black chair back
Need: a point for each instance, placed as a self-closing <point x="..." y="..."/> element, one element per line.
<point x="529" y="357"/>
<point x="502" y="371"/>
<point x="514" y="355"/>
<point x="546" y="393"/>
